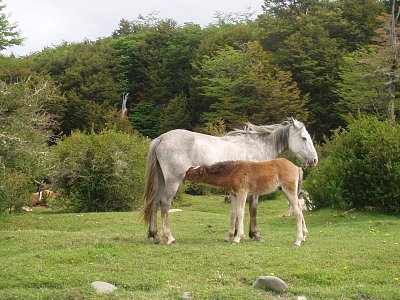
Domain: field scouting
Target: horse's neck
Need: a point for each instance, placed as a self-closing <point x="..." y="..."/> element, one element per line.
<point x="260" y="146"/>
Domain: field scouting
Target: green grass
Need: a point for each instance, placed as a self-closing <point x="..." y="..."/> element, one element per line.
<point x="48" y="255"/>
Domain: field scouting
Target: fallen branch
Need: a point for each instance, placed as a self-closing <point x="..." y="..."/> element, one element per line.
<point x="343" y="214"/>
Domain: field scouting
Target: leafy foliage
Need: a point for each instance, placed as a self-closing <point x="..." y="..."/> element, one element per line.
<point x="360" y="167"/>
<point x="100" y="172"/>
<point x="24" y="133"/>
<point x="361" y="87"/>
<point x="146" y="117"/>
<point x="9" y="35"/>
<point x="244" y="85"/>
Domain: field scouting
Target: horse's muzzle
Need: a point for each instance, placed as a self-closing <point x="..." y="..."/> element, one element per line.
<point x="313" y="162"/>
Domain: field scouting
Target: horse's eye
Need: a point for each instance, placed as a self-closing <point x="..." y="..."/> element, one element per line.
<point x="304" y="138"/>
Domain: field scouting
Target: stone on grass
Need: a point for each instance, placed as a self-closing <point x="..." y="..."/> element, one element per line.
<point x="102" y="287"/>
<point x="172" y="210"/>
<point x="269" y="283"/>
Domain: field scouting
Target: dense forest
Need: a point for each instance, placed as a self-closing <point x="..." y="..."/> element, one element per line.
<point x="316" y="60"/>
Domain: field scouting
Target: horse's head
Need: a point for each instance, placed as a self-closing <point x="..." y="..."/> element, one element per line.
<point x="301" y="144"/>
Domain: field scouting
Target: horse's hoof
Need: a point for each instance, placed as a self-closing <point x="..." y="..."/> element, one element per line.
<point x="298" y="243"/>
<point x="171" y="241"/>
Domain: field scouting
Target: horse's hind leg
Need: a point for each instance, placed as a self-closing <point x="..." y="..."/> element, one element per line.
<point x="153" y="223"/>
<point x="253" y="201"/>
<point x="170" y="191"/>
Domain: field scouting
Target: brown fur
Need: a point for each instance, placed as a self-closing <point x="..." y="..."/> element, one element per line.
<point x="254" y="177"/>
<point x="46" y="194"/>
<point x="244" y="178"/>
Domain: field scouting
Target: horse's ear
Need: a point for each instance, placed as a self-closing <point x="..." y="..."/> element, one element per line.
<point x="294" y="122"/>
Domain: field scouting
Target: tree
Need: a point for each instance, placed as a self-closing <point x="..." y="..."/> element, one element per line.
<point x="314" y="60"/>
<point x="145" y="118"/>
<point x="9" y="35"/>
<point x="361" y="88"/>
<point x="176" y="114"/>
<point x="244" y="85"/>
<point x="86" y="73"/>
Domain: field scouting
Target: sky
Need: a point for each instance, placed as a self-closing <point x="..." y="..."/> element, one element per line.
<point x="47" y="23"/>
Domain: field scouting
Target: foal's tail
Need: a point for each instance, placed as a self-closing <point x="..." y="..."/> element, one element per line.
<point x="151" y="181"/>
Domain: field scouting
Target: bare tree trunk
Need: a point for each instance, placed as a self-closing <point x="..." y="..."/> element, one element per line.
<point x="393" y="71"/>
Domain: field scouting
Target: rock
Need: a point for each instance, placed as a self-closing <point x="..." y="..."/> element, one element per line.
<point x="102" y="287"/>
<point x="301" y="298"/>
<point x="172" y="210"/>
<point x="186" y="295"/>
<point x="269" y="283"/>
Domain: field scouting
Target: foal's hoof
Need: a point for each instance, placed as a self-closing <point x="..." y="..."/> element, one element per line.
<point x="298" y="243"/>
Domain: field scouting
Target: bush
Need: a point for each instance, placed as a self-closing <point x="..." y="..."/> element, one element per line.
<point x="24" y="133"/>
<point x="360" y="167"/>
<point x="100" y="172"/>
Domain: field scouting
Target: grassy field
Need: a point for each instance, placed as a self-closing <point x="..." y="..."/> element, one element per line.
<point x="48" y="255"/>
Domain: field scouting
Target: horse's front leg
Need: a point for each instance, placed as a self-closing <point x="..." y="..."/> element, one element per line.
<point x="253" y="234"/>
<point x="233" y="218"/>
<point x="241" y="203"/>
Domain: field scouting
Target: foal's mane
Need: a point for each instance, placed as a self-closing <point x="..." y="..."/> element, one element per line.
<point x="220" y="167"/>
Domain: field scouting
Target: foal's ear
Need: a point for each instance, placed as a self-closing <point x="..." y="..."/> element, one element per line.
<point x="201" y="171"/>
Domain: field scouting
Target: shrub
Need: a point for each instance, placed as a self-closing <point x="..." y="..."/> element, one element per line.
<point x="100" y="172"/>
<point x="360" y="167"/>
<point x="24" y="132"/>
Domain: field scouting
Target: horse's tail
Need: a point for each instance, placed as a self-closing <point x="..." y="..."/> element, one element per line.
<point x="151" y="181"/>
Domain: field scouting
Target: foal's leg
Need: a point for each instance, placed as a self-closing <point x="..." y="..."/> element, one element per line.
<point x="292" y="197"/>
<point x="241" y="203"/>
<point x="305" y="231"/>
<point x="232" y="226"/>
<point x="253" y="201"/>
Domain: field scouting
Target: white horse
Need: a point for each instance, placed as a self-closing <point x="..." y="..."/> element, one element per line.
<point x="174" y="152"/>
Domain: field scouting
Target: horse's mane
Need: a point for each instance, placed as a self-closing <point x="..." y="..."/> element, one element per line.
<point x="278" y="132"/>
<point x="219" y="167"/>
<point x="250" y="128"/>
